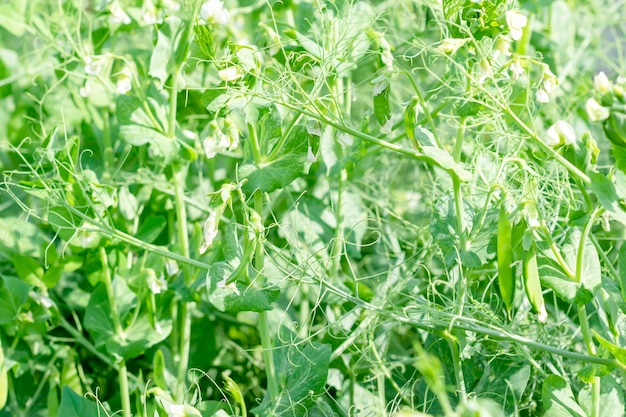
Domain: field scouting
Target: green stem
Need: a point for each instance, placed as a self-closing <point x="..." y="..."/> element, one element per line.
<point x="259" y="265"/>
<point x="117" y="325"/>
<point x="264" y="331"/>
<point x="456" y="362"/>
<point x="582" y="311"/>
<point x="171" y="125"/>
<point x="456" y="184"/>
<point x="184" y="323"/>
<point x="338" y="242"/>
<point x="424" y="106"/>
<point x="583" y="241"/>
<point x="368" y="138"/>
<point x="81" y="340"/>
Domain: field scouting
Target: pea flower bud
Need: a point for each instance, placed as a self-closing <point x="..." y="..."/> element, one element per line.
<point x="516" y="23"/>
<point x="560" y="133"/>
<point x="602" y="83"/>
<point x="595" y="111"/>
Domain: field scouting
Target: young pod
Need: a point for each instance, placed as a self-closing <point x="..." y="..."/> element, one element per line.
<point x="532" y="283"/>
<point x="4" y="379"/>
<point x="506" y="274"/>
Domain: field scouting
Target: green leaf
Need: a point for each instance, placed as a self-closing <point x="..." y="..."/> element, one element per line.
<point x="554" y="278"/>
<point x="162" y="61"/>
<point x="236" y="297"/>
<point x="12" y="17"/>
<point x="611" y="398"/>
<point x="282" y="170"/>
<point x="622" y="269"/>
<point x="29" y="270"/>
<point x="607" y="195"/>
<point x="301" y="370"/>
<point x="591" y="276"/>
<point x="151" y="228"/>
<point x="308" y="44"/>
<point x="617" y="351"/>
<point x="13" y="295"/>
<point x="443" y="159"/>
<point x="619" y="153"/>
<point x="136" y="338"/>
<point x="424" y="137"/>
<point x="73" y="405"/>
<point x="558" y="399"/>
<point x="204" y="39"/>
<point x="98" y="320"/>
<point x="20" y="237"/>
<point x="138" y="129"/>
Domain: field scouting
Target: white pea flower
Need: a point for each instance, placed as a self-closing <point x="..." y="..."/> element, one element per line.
<point x="233" y="134"/>
<point x="215" y="144"/>
<point x="190" y="134"/>
<point x="223" y="285"/>
<point x="209" y="231"/>
<point x="171" y="6"/>
<point x="516" y="23"/>
<point x="386" y="128"/>
<point x="450" y="45"/>
<point x="213" y="11"/>
<point x="602" y="83"/>
<point x="171" y="267"/>
<point x="596" y="111"/>
<point x="516" y="69"/>
<point x="149" y="13"/>
<point x="95" y="64"/>
<point x="230" y="74"/>
<point x="226" y="190"/>
<point x="156" y="285"/>
<point x="310" y="156"/>
<point x="85" y="90"/>
<point x="560" y="133"/>
<point x="503" y="46"/>
<point x="124" y="81"/>
<point x="345" y="139"/>
<point x="547" y="85"/>
<point x="542" y="96"/>
<point x="117" y="13"/>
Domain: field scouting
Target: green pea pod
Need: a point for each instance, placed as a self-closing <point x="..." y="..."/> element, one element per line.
<point x="506" y="274"/>
<point x="4" y="379"/>
<point x="533" y="284"/>
<point x="410" y="118"/>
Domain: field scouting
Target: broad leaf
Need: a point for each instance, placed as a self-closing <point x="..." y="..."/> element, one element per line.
<point x="73" y="405"/>
<point x="558" y="399"/>
<point x="13" y="295"/>
<point x="611" y="398"/>
<point x="282" y="170"/>
<point x="443" y="159"/>
<point x="136" y="338"/>
<point x="162" y="61"/>
<point x="301" y="370"/>
<point x="605" y="190"/>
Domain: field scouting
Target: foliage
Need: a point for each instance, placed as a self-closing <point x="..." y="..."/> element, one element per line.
<point x="372" y="208"/>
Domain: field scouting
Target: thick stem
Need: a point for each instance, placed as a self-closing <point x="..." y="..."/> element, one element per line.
<point x="121" y="365"/>
<point x="338" y="241"/>
<point x="456" y="184"/>
<point x="184" y="322"/>
<point x="259" y="265"/>
<point x="264" y="330"/>
<point x="456" y="362"/>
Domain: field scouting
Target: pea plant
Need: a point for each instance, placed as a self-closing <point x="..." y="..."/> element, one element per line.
<point x="313" y="208"/>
